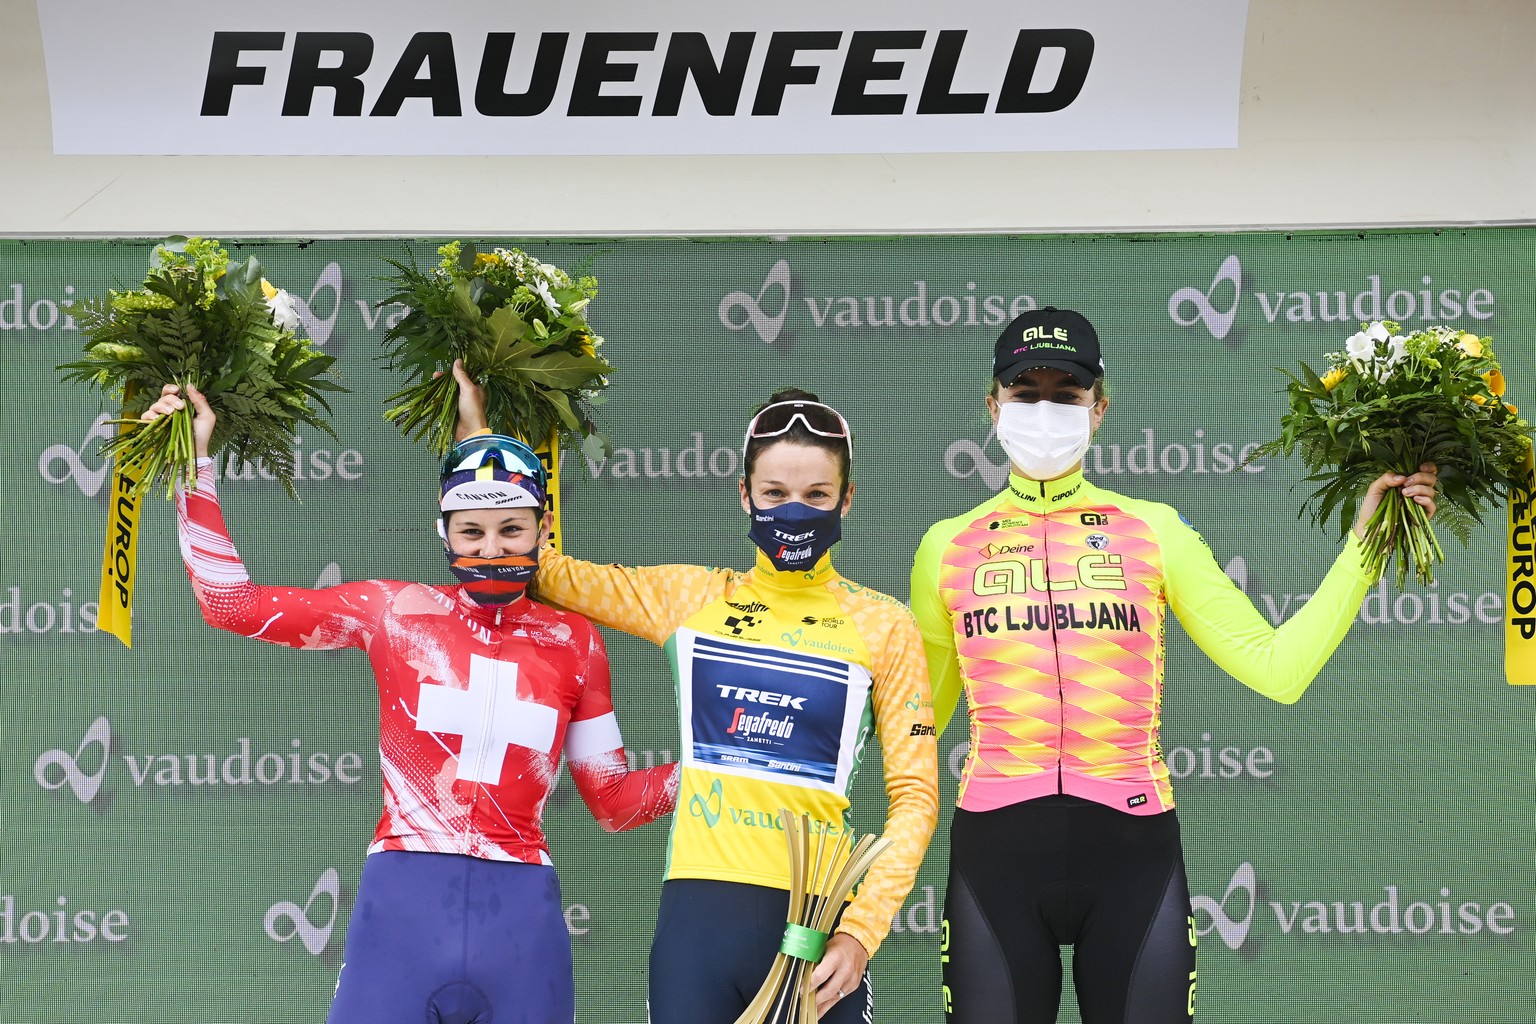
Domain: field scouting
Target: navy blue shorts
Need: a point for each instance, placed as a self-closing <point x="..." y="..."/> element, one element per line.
<point x="715" y="943"/>
<point x="444" y="939"/>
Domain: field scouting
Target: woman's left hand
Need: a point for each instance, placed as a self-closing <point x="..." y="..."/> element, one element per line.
<point x="840" y="972"/>
<point x="1419" y="487"/>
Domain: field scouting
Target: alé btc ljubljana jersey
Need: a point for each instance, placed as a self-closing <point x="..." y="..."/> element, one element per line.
<point x="1047" y="604"/>
<point x="782" y="678"/>
<point x="476" y="703"/>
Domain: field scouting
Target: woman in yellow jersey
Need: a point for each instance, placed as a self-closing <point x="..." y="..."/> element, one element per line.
<point x="783" y="673"/>
<point x="1046" y="604"/>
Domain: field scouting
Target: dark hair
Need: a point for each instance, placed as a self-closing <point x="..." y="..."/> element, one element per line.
<point x="797" y="434"/>
<point x="1100" y="389"/>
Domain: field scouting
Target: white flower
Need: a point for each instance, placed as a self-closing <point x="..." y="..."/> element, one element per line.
<point x="541" y="289"/>
<point x="1361" y="349"/>
<point x="1398" y="350"/>
<point x="1377" y="331"/>
<point x="284" y="313"/>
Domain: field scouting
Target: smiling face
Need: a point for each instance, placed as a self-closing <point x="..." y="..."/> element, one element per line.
<point x="494" y="532"/>
<point x="785" y="472"/>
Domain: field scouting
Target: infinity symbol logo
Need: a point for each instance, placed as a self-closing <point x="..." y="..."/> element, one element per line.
<point x="966" y="458"/>
<point x="1218" y="322"/>
<point x="319" y="329"/>
<point x="330" y="576"/>
<point x="700" y="806"/>
<point x="767" y="327"/>
<point x="87" y="479"/>
<point x="1233" y="933"/>
<point x="314" y="937"/>
<point x="84" y="785"/>
<point x="793" y="639"/>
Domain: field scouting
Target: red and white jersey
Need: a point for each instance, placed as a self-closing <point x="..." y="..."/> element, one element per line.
<point x="476" y="702"/>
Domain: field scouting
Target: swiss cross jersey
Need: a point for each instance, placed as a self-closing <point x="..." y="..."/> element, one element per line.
<point x="476" y="703"/>
<point x="782" y="679"/>
<point x="1047" y="604"/>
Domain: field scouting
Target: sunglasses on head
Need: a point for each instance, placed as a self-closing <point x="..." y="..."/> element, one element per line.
<point x="512" y="455"/>
<point x="779" y="418"/>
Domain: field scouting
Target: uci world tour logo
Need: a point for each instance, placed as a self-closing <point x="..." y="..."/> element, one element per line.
<point x="286" y="919"/>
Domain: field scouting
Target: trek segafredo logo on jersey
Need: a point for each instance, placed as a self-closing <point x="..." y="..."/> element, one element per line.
<point x="926" y="305"/>
<point x="1432" y="912"/>
<point x="1408" y="298"/>
<point x="84" y="769"/>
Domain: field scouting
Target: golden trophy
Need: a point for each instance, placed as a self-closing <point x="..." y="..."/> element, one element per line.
<point x="818" y="887"/>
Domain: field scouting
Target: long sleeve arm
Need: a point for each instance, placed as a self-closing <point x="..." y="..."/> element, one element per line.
<point x="933" y="622"/>
<point x="619" y="797"/>
<point x="904" y="723"/>
<point x="647" y="601"/>
<point x="293" y="617"/>
<point x="1278" y="662"/>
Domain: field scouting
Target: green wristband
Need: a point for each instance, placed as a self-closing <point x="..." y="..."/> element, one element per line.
<point x="803" y="943"/>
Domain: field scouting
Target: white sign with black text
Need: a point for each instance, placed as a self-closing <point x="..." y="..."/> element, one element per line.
<point x="388" y="77"/>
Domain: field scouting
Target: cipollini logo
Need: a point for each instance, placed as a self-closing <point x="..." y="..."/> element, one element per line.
<point x="1416" y="298"/>
<point x="88" y="476"/>
<point x="775" y="285"/>
<point x="286" y="919"/>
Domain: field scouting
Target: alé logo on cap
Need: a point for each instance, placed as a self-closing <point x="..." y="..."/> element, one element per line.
<point x="1346" y="302"/>
<point x="768" y="310"/>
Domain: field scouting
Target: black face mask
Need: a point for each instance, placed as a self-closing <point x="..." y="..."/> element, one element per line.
<point x="795" y="535"/>
<point x="494" y="581"/>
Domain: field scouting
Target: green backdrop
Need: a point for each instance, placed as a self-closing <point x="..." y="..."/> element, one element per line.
<point x="1363" y="855"/>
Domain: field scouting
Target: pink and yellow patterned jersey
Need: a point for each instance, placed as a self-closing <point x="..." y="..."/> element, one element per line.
<point x="1047" y="603"/>
<point x="476" y="703"/>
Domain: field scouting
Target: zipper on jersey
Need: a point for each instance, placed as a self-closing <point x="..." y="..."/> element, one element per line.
<point x="1050" y="593"/>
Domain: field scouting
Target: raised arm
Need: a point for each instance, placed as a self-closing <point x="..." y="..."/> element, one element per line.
<point x="619" y="797"/>
<point x="293" y="617"/>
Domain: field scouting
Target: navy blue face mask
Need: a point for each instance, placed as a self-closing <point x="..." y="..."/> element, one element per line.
<point x="795" y="535"/>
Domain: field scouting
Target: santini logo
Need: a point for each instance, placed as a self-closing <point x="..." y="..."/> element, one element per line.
<point x="918" y="308"/>
<point x="1216" y="307"/>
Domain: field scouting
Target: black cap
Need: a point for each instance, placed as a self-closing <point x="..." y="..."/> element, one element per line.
<point x="1061" y="339"/>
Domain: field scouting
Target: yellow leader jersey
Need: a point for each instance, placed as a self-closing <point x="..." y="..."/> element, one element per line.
<point x="782" y="677"/>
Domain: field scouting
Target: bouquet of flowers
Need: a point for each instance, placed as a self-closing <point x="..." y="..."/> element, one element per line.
<point x="227" y="332"/>
<point x="1387" y="404"/>
<point x="520" y="327"/>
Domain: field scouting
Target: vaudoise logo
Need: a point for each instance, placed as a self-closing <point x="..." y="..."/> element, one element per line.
<point x="1372" y="296"/>
<point x="767" y="311"/>
<point x="286" y="919"/>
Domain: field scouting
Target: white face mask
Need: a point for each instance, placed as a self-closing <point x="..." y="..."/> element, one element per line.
<point x="1043" y="439"/>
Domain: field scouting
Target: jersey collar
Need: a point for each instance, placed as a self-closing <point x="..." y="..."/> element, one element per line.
<point x="798" y="579"/>
<point x="1047" y="495"/>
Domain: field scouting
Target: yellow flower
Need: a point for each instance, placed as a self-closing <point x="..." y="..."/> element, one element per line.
<point x="1334" y="377"/>
<point x="1479" y="399"/>
<point x="268" y="289"/>
<point x="1471" y="344"/>
<point x="485" y="259"/>
<point x="1495" y="381"/>
<point x="1511" y="407"/>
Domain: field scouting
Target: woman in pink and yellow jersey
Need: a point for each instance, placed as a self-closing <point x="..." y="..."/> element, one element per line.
<point x="1046" y="604"/>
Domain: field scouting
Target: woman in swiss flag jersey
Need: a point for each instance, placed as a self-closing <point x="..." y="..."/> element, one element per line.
<point x="481" y="689"/>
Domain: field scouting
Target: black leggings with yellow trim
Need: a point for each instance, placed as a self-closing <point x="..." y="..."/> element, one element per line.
<point x="1028" y="879"/>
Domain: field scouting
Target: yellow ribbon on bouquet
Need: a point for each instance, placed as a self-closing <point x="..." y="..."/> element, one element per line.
<point x="1520" y="579"/>
<point x="120" y="554"/>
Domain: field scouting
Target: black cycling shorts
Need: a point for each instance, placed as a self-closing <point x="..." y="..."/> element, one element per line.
<point x="1026" y="879"/>
<point x="715" y="943"/>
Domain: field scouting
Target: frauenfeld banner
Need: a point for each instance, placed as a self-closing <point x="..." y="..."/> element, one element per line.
<point x="475" y="77"/>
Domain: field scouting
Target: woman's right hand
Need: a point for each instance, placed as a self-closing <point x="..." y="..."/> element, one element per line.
<point x="203" y="419"/>
<point x="471" y="404"/>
